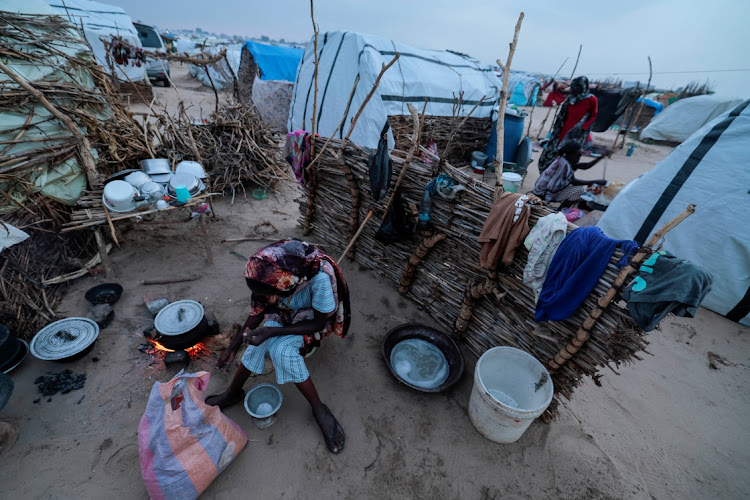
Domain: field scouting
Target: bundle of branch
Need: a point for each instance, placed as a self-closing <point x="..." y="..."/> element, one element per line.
<point x="442" y="278"/>
<point x="62" y="121"/>
<point x="235" y="147"/>
<point x="472" y="136"/>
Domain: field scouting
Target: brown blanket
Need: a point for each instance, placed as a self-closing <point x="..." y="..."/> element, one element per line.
<point x="504" y="230"/>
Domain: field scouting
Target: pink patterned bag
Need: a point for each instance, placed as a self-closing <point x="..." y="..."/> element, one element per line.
<point x="184" y="443"/>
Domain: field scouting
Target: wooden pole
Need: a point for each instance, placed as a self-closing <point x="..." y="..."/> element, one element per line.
<point x="84" y="146"/>
<point x="584" y="331"/>
<point x="528" y="131"/>
<point x="544" y="122"/>
<point x="643" y="96"/>
<point x="111" y="226"/>
<point x="356" y="235"/>
<point x="501" y="111"/>
<point x="315" y="95"/>
<point x="577" y="58"/>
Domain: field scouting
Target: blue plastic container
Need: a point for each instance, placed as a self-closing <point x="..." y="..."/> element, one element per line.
<point x="513" y="133"/>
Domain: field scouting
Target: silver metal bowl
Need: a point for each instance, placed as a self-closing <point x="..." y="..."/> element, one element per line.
<point x="156" y="166"/>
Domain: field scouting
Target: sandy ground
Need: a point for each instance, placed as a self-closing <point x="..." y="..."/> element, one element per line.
<point x="667" y="427"/>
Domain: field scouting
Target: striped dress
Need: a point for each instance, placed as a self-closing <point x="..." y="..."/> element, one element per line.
<point x="317" y="295"/>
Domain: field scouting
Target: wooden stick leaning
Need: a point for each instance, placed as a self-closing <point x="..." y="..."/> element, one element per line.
<point x="409" y="156"/>
<point x="447" y="148"/>
<point x="584" y="331"/>
<point x="643" y="95"/>
<point x="340" y="158"/>
<point x="84" y="146"/>
<point x="315" y="95"/>
<point x="501" y="110"/>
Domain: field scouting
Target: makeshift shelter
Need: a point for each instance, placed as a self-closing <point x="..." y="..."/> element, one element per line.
<point x="523" y="88"/>
<point x="267" y="72"/>
<point x="222" y="73"/>
<point x="683" y="118"/>
<point x="709" y="170"/>
<point x="436" y="76"/>
<point x="106" y="21"/>
<point x="47" y="156"/>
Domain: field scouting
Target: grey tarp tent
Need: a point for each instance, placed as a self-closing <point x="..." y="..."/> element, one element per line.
<point x="435" y="75"/>
<point x="710" y="170"/>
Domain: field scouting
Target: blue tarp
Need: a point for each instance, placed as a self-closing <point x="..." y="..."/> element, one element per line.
<point x="658" y="107"/>
<point x="275" y="63"/>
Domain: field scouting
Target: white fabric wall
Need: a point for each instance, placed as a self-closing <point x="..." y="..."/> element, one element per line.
<point x="716" y="237"/>
<point x="437" y="75"/>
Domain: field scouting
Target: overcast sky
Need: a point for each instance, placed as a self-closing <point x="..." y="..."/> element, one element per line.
<point x="681" y="36"/>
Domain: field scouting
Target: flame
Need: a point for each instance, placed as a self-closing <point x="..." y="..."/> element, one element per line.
<point x="193" y="351"/>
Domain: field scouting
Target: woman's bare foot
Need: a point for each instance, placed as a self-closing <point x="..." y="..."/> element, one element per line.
<point x="333" y="433"/>
<point x="226" y="398"/>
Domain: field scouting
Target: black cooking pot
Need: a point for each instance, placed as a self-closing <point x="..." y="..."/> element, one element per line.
<point x="184" y="340"/>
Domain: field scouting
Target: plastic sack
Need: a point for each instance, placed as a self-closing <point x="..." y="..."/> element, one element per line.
<point x="184" y="443"/>
<point x="379" y="165"/>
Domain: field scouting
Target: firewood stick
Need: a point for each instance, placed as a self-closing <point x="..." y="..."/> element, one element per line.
<point x="111" y="226"/>
<point x="106" y="261"/>
<point x="501" y="111"/>
<point x="584" y="331"/>
<point x="544" y="122"/>
<point x="84" y="146"/>
<point x="356" y="235"/>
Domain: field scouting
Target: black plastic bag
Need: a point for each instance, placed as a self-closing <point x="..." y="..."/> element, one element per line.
<point x="379" y="165"/>
<point x="397" y="224"/>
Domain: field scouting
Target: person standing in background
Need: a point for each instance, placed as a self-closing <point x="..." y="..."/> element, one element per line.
<point x="573" y="122"/>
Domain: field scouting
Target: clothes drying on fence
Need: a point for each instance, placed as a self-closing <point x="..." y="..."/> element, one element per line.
<point x="506" y="227"/>
<point x="575" y="269"/>
<point x="666" y="284"/>
<point x="297" y="153"/>
<point x="542" y="243"/>
<point x="445" y="186"/>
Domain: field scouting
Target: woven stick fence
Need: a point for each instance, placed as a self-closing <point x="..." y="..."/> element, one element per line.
<point x="471" y="136"/>
<point x="442" y="277"/>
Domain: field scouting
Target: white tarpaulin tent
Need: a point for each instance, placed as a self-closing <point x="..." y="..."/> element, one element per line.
<point x="683" y="118"/>
<point x="103" y="20"/>
<point x="435" y="75"/>
<point x="710" y="170"/>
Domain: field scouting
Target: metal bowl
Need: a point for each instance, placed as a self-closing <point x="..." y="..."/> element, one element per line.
<point x="440" y="340"/>
<point x="137" y="179"/>
<point x="191" y="182"/>
<point x="191" y="167"/>
<point x="156" y="166"/>
<point x="106" y="293"/>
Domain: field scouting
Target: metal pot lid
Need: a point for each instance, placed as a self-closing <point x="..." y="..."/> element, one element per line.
<point x="63" y="339"/>
<point x="179" y="317"/>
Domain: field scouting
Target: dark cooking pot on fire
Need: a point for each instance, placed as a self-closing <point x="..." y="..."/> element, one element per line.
<point x="181" y="324"/>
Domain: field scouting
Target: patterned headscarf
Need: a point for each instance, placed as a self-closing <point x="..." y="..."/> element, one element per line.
<point x="287" y="264"/>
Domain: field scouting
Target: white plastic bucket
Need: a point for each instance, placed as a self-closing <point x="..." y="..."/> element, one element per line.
<point x="511" y="389"/>
<point x="511" y="182"/>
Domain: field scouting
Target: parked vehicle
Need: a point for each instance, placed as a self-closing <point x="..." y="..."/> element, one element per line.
<point x="157" y="69"/>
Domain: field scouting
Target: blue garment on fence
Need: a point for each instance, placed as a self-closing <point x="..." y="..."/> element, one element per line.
<point x="275" y="62"/>
<point x="575" y="269"/>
